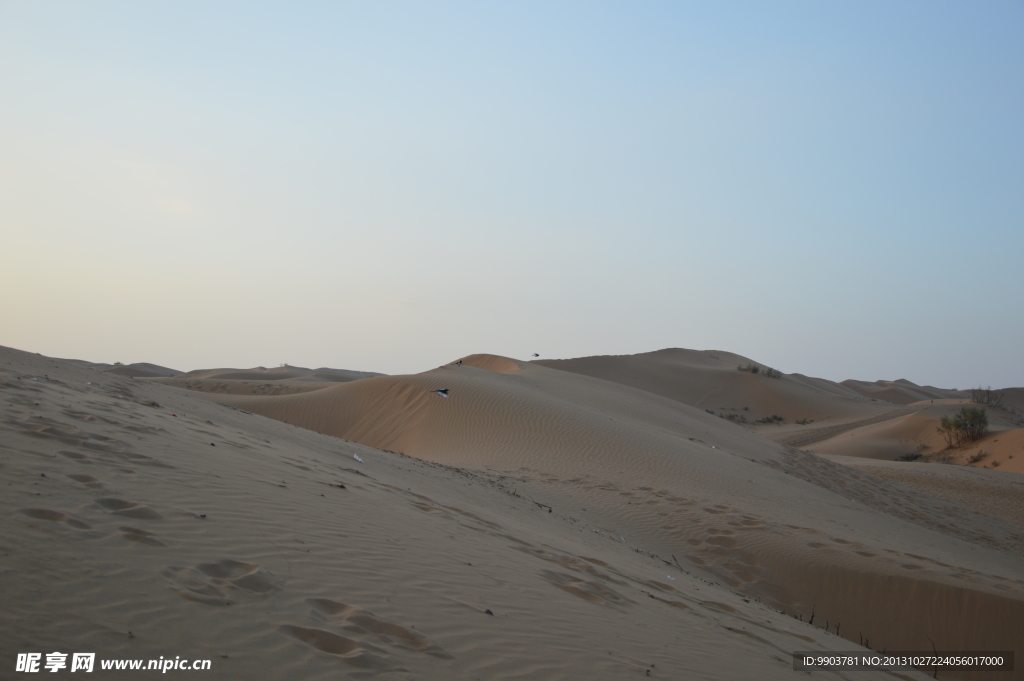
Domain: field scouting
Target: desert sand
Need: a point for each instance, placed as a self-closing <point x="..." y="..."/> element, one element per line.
<point x="585" y="519"/>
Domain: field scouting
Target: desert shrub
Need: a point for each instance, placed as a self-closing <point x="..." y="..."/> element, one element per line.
<point x="804" y="422"/>
<point x="987" y="396"/>
<point x="755" y="369"/>
<point x="913" y="456"/>
<point x="967" y="425"/>
<point x="770" y="419"/>
<point x="978" y="456"/>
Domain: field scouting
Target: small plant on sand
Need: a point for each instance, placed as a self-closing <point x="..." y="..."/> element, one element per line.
<point x="978" y="456"/>
<point x="967" y="425"/>
<point x="804" y="422"/>
<point x="913" y="456"/>
<point x="987" y="396"/>
<point x="755" y="369"/>
<point x="770" y="419"/>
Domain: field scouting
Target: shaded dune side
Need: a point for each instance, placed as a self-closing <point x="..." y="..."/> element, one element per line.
<point x="744" y="511"/>
<point x="138" y="369"/>
<point x="285" y="373"/>
<point x="710" y="380"/>
<point x="231" y="386"/>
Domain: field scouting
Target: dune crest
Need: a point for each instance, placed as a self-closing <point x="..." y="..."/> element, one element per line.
<point x="713" y="380"/>
<point x="496" y="363"/>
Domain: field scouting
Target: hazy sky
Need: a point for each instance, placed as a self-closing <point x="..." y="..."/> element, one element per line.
<point x="830" y="188"/>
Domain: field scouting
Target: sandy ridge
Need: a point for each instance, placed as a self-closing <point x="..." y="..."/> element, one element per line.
<point x="808" y="437"/>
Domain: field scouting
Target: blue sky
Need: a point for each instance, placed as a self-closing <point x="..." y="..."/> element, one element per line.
<point x="835" y="189"/>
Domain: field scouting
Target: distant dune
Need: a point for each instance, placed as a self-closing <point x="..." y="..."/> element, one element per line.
<point x="711" y="379"/>
<point x="282" y="373"/>
<point x="903" y="391"/>
<point x="286" y="380"/>
<point x="137" y="370"/>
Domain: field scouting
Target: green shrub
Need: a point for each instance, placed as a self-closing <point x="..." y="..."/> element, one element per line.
<point x="967" y="425"/>
<point x="978" y="456"/>
<point x="755" y="369"/>
<point x="987" y="396"/>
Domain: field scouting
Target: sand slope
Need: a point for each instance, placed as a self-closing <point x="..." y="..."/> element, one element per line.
<point x="987" y="491"/>
<point x="141" y="521"/>
<point x="887" y="563"/>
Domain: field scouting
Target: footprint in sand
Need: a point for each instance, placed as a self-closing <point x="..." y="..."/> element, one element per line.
<point x="210" y="583"/>
<point x="668" y="601"/>
<point x="75" y="456"/>
<point x="140" y="536"/>
<point x="129" y="509"/>
<point x="361" y="622"/>
<point x="53" y="517"/>
<point x="345" y="648"/>
<point x="87" y="480"/>
<point x="718" y="607"/>
<point x="592" y="592"/>
<point x="726" y="542"/>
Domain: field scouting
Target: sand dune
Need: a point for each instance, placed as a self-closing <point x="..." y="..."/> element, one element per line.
<point x="903" y="391"/>
<point x="544" y="525"/>
<point x="709" y="379"/>
<point x="136" y="370"/>
<point x="284" y="380"/>
<point x="723" y="501"/>
<point x="282" y="373"/>
<point x="233" y="386"/>
<point x="917" y="434"/>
